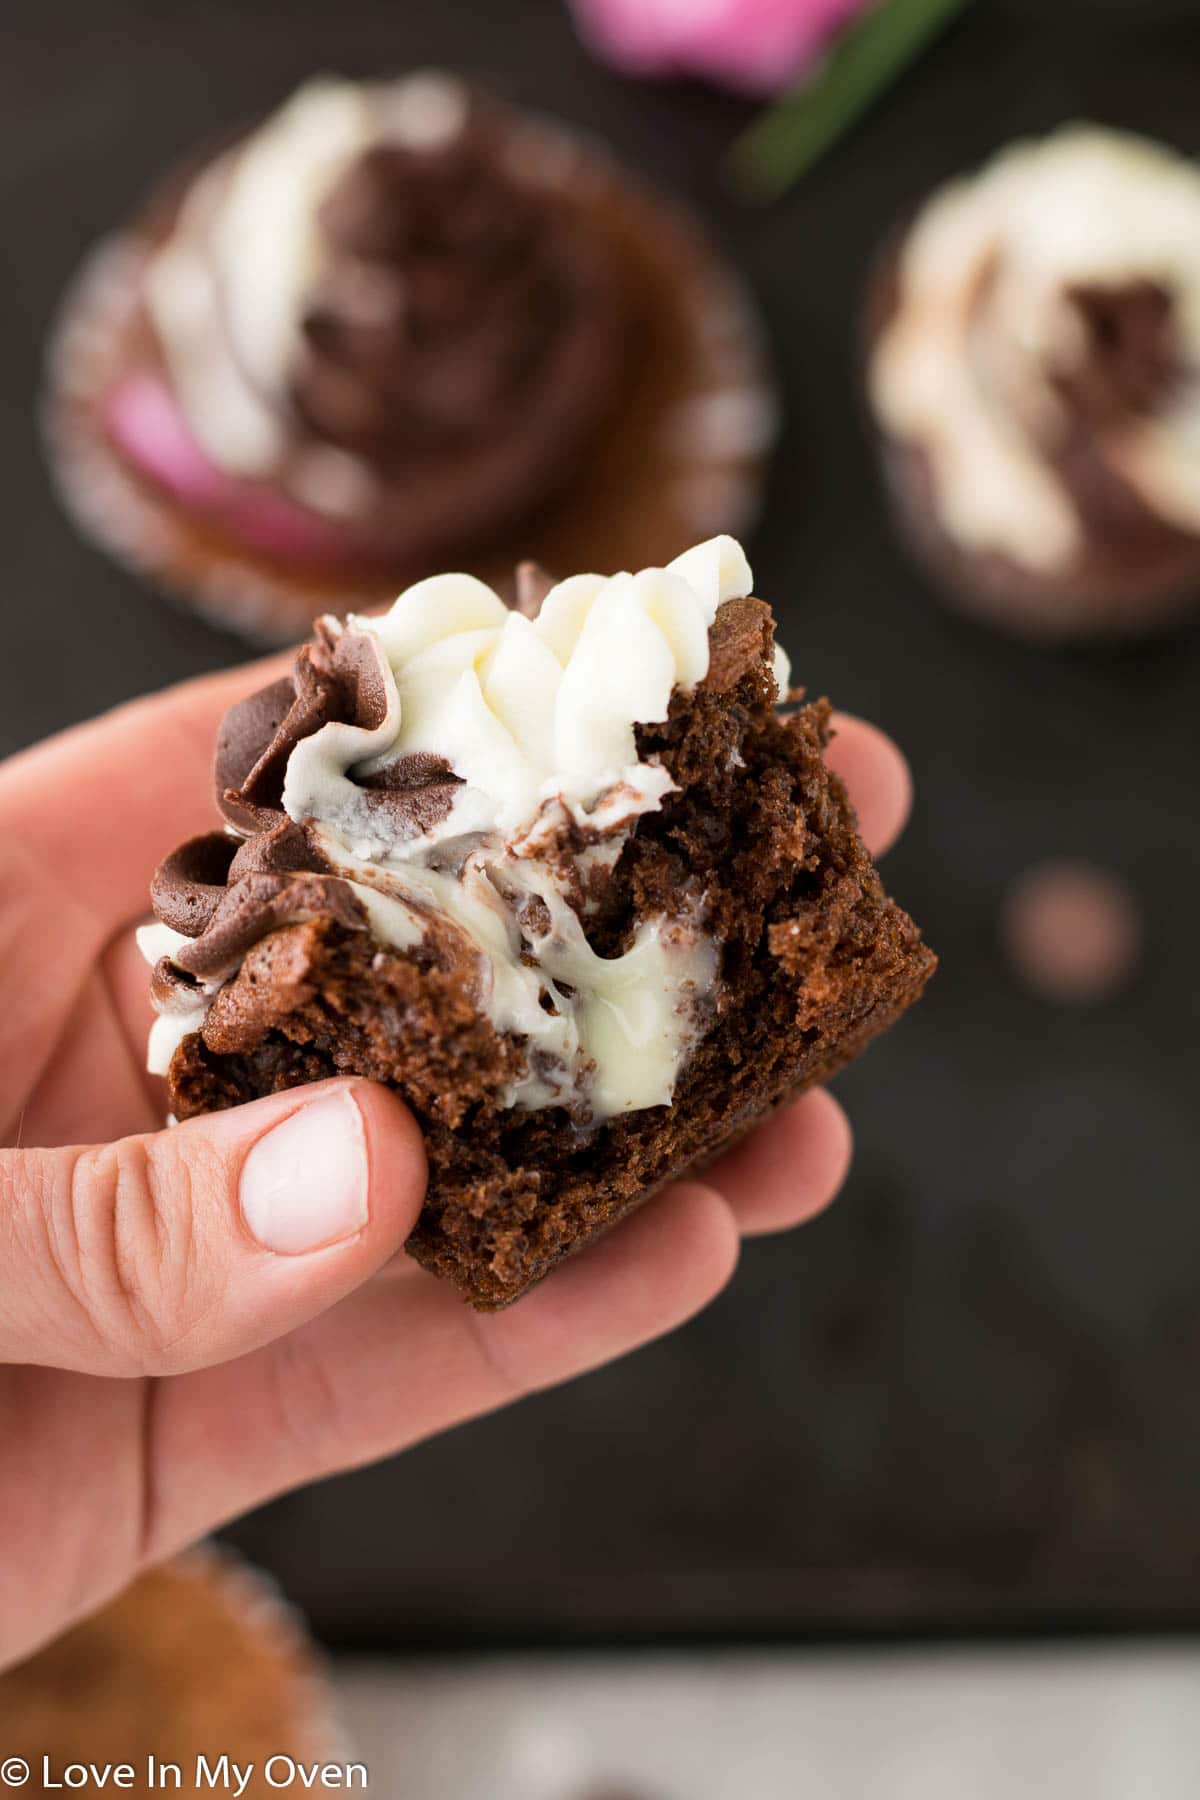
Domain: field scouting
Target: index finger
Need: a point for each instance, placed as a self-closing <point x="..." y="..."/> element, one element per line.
<point x="877" y="779"/>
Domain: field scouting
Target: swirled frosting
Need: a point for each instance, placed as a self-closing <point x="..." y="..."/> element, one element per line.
<point x="456" y="771"/>
<point x="367" y="286"/>
<point x="1046" y="318"/>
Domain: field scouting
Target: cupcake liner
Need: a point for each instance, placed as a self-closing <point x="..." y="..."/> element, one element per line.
<point x="260" y="1605"/>
<point x="1084" y="606"/>
<point x="680" y="458"/>
<point x="73" y="1695"/>
<point x="111" y="503"/>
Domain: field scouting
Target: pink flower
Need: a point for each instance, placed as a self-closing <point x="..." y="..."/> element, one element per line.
<point x="757" y="45"/>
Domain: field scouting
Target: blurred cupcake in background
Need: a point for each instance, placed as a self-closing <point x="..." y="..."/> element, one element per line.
<point x="198" y="1658"/>
<point x="400" y="327"/>
<point x="1033" y="366"/>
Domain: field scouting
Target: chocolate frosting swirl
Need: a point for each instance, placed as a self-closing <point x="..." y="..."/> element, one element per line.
<point x="441" y="335"/>
<point x="1037" y="347"/>
<point x="448" y="288"/>
<point x="462" y="311"/>
<point x="1131" y="360"/>
<point x="225" y="894"/>
<point x="336" y="678"/>
<point x="226" y="890"/>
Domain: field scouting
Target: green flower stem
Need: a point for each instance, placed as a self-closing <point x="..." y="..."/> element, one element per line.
<point x="790" y="136"/>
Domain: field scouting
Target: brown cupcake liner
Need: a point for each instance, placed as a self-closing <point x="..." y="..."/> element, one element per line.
<point x="297" y="1717"/>
<point x="1085" y="605"/>
<point x="681" y="457"/>
<point x="258" y="1602"/>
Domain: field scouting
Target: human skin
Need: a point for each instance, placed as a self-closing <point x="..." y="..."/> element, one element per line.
<point x="162" y="1367"/>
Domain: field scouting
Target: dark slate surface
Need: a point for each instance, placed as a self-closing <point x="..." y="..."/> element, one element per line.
<point x="967" y="1397"/>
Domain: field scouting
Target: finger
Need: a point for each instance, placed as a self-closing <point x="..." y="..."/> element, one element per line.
<point x="405" y="1359"/>
<point x="876" y="777"/>
<point x="70" y="1499"/>
<point x="94" y="1084"/>
<point x="127" y="981"/>
<point x="186" y="1247"/>
<point x="132" y="783"/>
<point x="790" y="1169"/>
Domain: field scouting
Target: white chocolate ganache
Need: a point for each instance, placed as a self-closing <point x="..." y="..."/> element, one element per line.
<point x="536" y="718"/>
<point x="986" y="333"/>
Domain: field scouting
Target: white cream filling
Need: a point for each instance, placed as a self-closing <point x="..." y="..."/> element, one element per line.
<point x="1084" y="207"/>
<point x="538" y="720"/>
<point x="622" y="1035"/>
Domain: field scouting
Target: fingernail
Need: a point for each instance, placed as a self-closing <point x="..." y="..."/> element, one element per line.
<point x="304" y="1185"/>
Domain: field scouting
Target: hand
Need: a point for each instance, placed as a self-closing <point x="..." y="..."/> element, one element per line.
<point x="175" y="1346"/>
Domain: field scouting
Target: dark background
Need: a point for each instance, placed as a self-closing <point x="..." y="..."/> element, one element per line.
<point x="966" y="1398"/>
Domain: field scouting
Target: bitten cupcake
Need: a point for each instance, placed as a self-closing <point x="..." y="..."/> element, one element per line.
<point x="399" y="324"/>
<point x="196" y="1661"/>
<point x="564" y="878"/>
<point x="1034" y="371"/>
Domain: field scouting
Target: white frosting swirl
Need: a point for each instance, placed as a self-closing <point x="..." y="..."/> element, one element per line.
<point x="973" y="385"/>
<point x="526" y="712"/>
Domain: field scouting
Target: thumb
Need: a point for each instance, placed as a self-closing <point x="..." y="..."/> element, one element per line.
<point x="194" y="1245"/>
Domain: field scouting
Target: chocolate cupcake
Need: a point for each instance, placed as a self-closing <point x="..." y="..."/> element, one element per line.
<point x="199" y="1658"/>
<point x="1034" y="372"/>
<point x="565" y="879"/>
<point x="398" y="326"/>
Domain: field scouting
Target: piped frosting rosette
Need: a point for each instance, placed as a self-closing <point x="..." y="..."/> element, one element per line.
<point x="394" y="322"/>
<point x="363" y="307"/>
<point x="458" y="772"/>
<point x="1040" y="355"/>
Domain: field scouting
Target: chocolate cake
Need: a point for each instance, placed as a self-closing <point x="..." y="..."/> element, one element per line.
<point x="399" y="320"/>
<point x="1033" y="367"/>
<point x="570" y="882"/>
